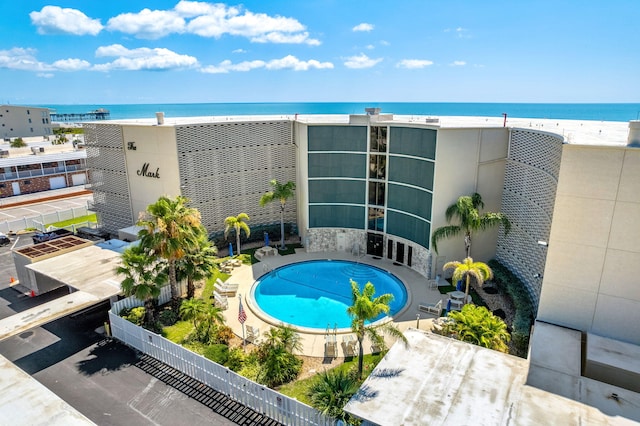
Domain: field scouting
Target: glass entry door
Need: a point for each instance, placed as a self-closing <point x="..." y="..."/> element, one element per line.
<point x="374" y="244"/>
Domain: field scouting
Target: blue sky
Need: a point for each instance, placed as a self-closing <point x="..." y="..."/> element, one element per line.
<point x="319" y="51"/>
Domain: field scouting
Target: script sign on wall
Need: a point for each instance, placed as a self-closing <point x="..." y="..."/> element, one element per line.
<point x="144" y="171"/>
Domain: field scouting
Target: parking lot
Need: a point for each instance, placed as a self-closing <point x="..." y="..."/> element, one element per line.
<point x="104" y="380"/>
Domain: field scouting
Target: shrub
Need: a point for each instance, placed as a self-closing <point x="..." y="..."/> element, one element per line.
<point x="168" y="317"/>
<point x="134" y="315"/>
<point x="17" y="143"/>
<point x="511" y="284"/>
<point x="223" y="334"/>
<point x="236" y="359"/>
<point x="217" y="353"/>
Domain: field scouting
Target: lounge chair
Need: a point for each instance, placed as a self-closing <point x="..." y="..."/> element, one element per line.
<point x="330" y="345"/>
<point x="349" y="346"/>
<point x="431" y="309"/>
<point x="226" y="289"/>
<point x="253" y="334"/>
<point x="220" y="300"/>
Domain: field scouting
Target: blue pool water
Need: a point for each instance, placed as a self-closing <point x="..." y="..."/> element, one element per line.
<point x="316" y="293"/>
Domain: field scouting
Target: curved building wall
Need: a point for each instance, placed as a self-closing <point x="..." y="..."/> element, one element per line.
<point x="108" y="177"/>
<point x="531" y="180"/>
<point x="369" y="189"/>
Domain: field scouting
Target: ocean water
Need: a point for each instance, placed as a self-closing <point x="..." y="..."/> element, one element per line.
<point x="598" y="112"/>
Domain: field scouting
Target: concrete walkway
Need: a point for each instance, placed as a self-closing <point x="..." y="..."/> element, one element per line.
<point x="313" y="341"/>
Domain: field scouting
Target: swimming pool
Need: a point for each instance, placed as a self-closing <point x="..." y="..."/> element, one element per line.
<point x="316" y="293"/>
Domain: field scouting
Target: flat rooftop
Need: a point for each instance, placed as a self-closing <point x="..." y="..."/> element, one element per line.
<point x="580" y="132"/>
<point x="441" y="381"/>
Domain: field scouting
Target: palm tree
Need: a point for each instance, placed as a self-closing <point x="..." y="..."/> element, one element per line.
<point x="331" y="391"/>
<point x="278" y="364"/>
<point x="238" y="223"/>
<point x="281" y="193"/>
<point x="475" y="324"/>
<point x="192" y="309"/>
<point x="197" y="265"/>
<point x="143" y="278"/>
<point x="468" y="269"/>
<point x="366" y="308"/>
<point x="170" y="231"/>
<point x="466" y="209"/>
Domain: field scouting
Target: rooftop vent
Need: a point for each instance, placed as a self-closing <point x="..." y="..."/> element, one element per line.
<point x="160" y="118"/>
<point x="634" y="134"/>
<point x="372" y="111"/>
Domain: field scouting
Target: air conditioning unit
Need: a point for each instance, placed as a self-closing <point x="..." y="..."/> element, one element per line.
<point x="4" y="154"/>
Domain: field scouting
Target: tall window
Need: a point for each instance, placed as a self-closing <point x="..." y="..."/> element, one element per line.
<point x="377" y="177"/>
<point x="378" y="139"/>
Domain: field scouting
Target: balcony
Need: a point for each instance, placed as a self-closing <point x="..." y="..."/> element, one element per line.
<point x="26" y="174"/>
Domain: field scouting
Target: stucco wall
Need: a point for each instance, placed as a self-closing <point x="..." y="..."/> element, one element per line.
<point x="156" y="147"/>
<point x="468" y="161"/>
<point x="593" y="262"/>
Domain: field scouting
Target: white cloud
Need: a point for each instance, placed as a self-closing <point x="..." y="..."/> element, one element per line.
<point x="143" y="58"/>
<point x="288" y="62"/>
<point x="71" y="64"/>
<point x="370" y="47"/>
<point x="19" y="58"/>
<point x="147" y="24"/>
<point x="458" y="64"/>
<point x="363" y="27"/>
<point x="56" y="20"/>
<point x="361" y="61"/>
<point x="414" y="63"/>
<point x="459" y="32"/>
<point x="212" y="20"/>
<point x="239" y="51"/>
<point x="23" y="59"/>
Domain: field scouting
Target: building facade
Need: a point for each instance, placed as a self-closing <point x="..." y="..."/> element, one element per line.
<point x="41" y="168"/>
<point x="21" y="121"/>
<point x="371" y="183"/>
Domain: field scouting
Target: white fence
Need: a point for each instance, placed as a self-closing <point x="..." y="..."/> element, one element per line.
<point x="39" y="222"/>
<point x="251" y="394"/>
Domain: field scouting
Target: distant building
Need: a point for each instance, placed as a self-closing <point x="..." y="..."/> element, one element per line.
<point x="41" y="167"/>
<point x="24" y="121"/>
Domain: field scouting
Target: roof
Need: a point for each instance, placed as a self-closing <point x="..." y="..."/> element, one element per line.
<point x="439" y="381"/>
<point x="30" y="158"/>
<point x="54" y="247"/>
<point x="24" y="400"/>
<point x="90" y="269"/>
<point x="582" y="132"/>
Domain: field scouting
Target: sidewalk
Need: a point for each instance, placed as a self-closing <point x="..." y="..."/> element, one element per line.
<point x="313" y="340"/>
<point x="42" y="196"/>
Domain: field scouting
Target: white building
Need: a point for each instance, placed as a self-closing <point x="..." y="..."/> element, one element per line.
<point x="24" y="121"/>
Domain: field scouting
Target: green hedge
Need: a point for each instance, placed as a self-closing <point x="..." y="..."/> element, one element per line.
<point x="521" y="328"/>
<point x="257" y="234"/>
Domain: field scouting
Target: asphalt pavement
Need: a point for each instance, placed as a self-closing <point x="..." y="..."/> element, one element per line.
<point x="108" y="382"/>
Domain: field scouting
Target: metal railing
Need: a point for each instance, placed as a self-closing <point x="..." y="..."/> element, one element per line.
<point x="24" y="174"/>
<point x="251" y="394"/>
<point x="39" y="222"/>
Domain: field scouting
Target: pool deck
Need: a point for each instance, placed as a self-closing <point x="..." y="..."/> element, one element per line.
<point x="313" y="343"/>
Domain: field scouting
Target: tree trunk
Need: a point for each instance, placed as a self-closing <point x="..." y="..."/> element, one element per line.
<point x="238" y="240"/>
<point x="149" y="317"/>
<point x="467" y="243"/>
<point x="360" y="357"/>
<point x="173" y="282"/>
<point x="466" y="291"/>
<point x="191" y="288"/>
<point x="282" y="246"/>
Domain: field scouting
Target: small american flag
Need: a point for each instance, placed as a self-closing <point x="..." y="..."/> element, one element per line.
<point x="242" y="316"/>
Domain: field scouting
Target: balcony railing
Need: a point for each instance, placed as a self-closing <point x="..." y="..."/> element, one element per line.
<point x="25" y="174"/>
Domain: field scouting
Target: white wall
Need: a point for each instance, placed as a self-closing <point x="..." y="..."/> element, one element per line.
<point x="593" y="264"/>
<point x="468" y="161"/>
<point x="157" y="147"/>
